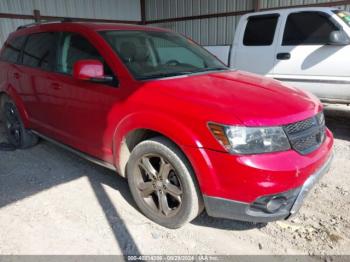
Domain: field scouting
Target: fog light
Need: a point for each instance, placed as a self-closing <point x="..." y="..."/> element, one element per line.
<point x="275" y="204"/>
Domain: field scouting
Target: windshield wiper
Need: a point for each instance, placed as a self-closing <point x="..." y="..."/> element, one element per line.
<point x="161" y="75"/>
<point x="164" y="75"/>
<point x="211" y="69"/>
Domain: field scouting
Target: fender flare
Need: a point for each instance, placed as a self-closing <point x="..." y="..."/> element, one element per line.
<point x="157" y="122"/>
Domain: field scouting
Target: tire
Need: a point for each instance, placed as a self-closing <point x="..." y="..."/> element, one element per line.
<point x="169" y="178"/>
<point x="16" y="133"/>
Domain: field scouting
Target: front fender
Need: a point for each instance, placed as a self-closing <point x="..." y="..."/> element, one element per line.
<point x="158" y="122"/>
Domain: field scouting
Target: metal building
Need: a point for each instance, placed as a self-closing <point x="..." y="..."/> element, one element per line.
<point x="14" y="13"/>
<point x="208" y="22"/>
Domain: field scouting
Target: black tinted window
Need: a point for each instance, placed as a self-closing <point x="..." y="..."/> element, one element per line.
<point x="74" y="47"/>
<point x="308" y="28"/>
<point x="260" y="30"/>
<point x="12" y="49"/>
<point x="39" y="50"/>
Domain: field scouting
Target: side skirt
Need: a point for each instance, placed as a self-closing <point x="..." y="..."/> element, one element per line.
<point x="79" y="153"/>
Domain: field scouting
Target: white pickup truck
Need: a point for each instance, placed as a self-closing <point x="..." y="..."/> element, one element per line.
<point x="308" y="48"/>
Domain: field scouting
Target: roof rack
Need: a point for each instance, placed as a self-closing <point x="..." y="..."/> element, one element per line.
<point x="62" y="20"/>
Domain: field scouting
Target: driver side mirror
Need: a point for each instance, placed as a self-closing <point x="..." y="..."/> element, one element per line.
<point x="90" y="70"/>
<point x="339" y="38"/>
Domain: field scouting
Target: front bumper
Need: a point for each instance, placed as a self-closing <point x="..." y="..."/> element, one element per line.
<point x="256" y="211"/>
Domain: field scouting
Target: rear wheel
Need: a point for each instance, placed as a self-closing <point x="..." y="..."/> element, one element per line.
<point x="16" y="133"/>
<point x="163" y="184"/>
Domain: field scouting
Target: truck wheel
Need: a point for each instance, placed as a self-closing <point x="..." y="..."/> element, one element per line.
<point x="163" y="184"/>
<point x="16" y="133"/>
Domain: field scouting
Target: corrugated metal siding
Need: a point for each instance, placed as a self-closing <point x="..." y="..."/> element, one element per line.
<point x="213" y="31"/>
<point x="9" y="25"/>
<point x="221" y="30"/>
<point x="103" y="9"/>
<point x="284" y="3"/>
<point x="161" y="9"/>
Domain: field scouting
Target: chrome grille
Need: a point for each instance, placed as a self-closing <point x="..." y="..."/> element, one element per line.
<point x="307" y="135"/>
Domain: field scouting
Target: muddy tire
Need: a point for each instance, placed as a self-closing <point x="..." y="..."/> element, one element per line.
<point x="163" y="183"/>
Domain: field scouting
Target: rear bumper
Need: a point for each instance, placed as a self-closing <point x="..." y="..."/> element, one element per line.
<point x="256" y="211"/>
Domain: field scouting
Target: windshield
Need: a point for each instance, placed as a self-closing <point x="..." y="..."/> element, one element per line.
<point x="345" y="16"/>
<point x="152" y="54"/>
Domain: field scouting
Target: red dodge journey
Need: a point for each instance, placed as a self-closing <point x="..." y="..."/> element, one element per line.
<point x="187" y="132"/>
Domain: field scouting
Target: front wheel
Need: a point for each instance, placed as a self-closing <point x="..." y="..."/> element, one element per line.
<point x="163" y="184"/>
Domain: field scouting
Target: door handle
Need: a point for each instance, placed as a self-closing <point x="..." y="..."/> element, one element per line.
<point x="56" y="86"/>
<point x="16" y="75"/>
<point x="283" y="56"/>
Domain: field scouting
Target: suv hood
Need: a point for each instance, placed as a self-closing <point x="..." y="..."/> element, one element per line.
<point x="250" y="98"/>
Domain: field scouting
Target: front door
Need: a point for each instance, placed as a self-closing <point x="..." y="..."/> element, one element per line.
<point x="305" y="59"/>
<point x="82" y="118"/>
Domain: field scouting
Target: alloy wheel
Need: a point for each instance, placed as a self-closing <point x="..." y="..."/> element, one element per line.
<point x="13" y="124"/>
<point x="159" y="185"/>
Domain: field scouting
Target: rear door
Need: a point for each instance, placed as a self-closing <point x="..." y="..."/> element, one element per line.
<point x="35" y="77"/>
<point x="306" y="60"/>
<point x="254" y="52"/>
<point x="10" y="71"/>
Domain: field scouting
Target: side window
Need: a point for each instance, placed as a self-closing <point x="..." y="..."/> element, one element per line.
<point x="260" y="30"/>
<point x="134" y="50"/>
<point x="168" y="51"/>
<point x="74" y="47"/>
<point x="39" y="50"/>
<point x="307" y="28"/>
<point x="12" y="49"/>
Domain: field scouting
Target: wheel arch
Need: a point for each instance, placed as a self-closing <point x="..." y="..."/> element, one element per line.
<point x="137" y="128"/>
<point x="15" y="97"/>
<point x="2" y="94"/>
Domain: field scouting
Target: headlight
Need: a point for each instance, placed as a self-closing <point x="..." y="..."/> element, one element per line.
<point x="250" y="140"/>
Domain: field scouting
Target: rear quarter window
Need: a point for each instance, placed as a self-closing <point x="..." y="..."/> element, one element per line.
<point x="12" y="49"/>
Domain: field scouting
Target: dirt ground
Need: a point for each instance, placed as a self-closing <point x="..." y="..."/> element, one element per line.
<point x="53" y="202"/>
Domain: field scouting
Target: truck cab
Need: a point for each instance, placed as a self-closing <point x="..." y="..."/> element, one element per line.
<point x="307" y="48"/>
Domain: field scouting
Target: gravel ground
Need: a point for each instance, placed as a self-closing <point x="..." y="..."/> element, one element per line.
<point x="53" y="202"/>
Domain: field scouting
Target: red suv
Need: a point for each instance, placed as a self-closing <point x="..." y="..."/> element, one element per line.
<point x="187" y="132"/>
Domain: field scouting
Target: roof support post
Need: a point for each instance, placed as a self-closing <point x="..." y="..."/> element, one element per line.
<point x="36" y="14"/>
<point x="143" y="11"/>
<point x="256" y="4"/>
